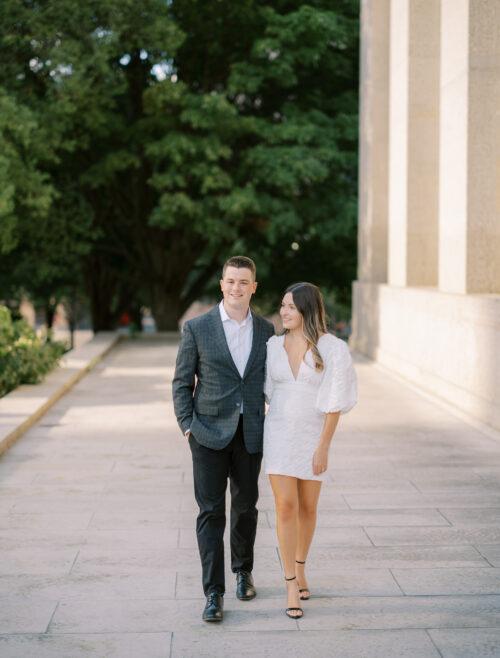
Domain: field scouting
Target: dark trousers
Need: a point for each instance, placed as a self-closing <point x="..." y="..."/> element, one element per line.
<point x="211" y="470"/>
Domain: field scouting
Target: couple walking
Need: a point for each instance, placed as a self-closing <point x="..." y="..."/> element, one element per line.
<point x="229" y="362"/>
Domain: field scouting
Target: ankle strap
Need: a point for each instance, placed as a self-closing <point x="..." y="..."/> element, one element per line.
<point x="292" y="578"/>
<point x="300" y="561"/>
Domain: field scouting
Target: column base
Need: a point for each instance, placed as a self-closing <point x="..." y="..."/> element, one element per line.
<point x="446" y="344"/>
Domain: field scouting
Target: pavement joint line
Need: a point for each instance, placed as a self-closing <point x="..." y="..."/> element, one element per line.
<point x="394" y="628"/>
<point x="412" y="546"/>
<point x="433" y="643"/>
<point x="483" y="556"/>
<point x="343" y="496"/>
<point x="413" y="568"/>
<point x="91" y="519"/>
<point x="51" y="618"/>
<point x="206" y="632"/>
<point x="73" y="563"/>
<point x="365" y="531"/>
<point x="484" y="478"/>
<point x="314" y="597"/>
<point x="397" y="583"/>
<point x="453" y="628"/>
<point x="450" y="524"/>
<point x="276" y="548"/>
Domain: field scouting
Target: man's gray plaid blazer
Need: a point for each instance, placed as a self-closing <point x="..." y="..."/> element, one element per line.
<point x="208" y="390"/>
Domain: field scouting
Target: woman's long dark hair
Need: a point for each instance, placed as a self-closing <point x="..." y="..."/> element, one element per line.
<point x="309" y="303"/>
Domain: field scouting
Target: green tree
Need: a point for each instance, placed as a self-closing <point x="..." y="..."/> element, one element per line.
<point x="179" y="132"/>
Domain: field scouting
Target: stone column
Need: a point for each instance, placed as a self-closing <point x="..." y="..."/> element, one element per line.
<point x="414" y="142"/>
<point x="469" y="202"/>
<point x="373" y="141"/>
<point x="423" y="143"/>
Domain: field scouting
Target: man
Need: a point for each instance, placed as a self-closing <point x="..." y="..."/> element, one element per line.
<point x="218" y="391"/>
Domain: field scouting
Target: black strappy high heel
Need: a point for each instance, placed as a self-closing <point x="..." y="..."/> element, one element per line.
<point x="289" y="610"/>
<point x="303" y="589"/>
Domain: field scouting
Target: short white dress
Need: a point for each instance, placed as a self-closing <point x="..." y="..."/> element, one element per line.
<point x="297" y="407"/>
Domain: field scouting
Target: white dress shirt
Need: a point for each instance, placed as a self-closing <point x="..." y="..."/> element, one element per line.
<point x="238" y="337"/>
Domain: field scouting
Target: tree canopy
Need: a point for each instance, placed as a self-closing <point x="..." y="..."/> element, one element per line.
<point x="142" y="143"/>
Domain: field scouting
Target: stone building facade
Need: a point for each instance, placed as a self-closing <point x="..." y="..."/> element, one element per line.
<point x="426" y="303"/>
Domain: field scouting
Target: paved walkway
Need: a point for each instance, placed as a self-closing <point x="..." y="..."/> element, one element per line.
<point x="98" y="554"/>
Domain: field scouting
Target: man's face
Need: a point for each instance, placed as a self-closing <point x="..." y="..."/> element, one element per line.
<point x="237" y="286"/>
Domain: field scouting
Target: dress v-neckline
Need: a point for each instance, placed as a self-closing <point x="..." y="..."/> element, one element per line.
<point x="295" y="378"/>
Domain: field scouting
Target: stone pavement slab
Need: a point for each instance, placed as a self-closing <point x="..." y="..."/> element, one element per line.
<point x="482" y="516"/>
<point x="327" y="583"/>
<point x="467" y="643"/>
<point x="99" y="553"/>
<point x="49" y="561"/>
<point x="95" y="586"/>
<point x="399" y="556"/>
<point x="22" y="615"/>
<point x="448" y="536"/>
<point x="71" y="520"/>
<point x="160" y="615"/>
<point x="310" y="644"/>
<point x="402" y="612"/>
<point x="448" y="581"/>
<point x="108" y="645"/>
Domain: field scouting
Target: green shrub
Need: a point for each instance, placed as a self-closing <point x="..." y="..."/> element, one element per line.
<point x="24" y="358"/>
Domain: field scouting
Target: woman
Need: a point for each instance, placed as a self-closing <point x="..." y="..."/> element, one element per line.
<point x="310" y="381"/>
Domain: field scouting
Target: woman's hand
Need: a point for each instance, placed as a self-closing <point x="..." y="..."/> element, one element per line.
<point x="320" y="460"/>
<point x="320" y="457"/>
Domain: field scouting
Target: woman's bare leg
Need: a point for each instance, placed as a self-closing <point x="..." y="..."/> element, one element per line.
<point x="287" y="509"/>
<point x="308" y="495"/>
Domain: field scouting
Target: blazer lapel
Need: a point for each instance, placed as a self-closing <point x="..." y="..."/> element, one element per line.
<point x="220" y="338"/>
<point x="255" y="343"/>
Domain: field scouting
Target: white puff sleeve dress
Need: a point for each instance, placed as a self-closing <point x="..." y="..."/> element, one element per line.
<point x="297" y="407"/>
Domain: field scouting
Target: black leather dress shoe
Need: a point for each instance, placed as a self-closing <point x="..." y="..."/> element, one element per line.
<point x="245" y="589"/>
<point x="214" y="607"/>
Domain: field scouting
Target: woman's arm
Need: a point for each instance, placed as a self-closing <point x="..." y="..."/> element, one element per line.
<point x="320" y="457"/>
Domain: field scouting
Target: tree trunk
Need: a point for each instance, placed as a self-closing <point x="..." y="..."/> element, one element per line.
<point x="167" y="309"/>
<point x="102" y="286"/>
<point x="103" y="318"/>
<point x="50" y="307"/>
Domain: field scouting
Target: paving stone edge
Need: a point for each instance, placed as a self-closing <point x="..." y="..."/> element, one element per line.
<point x="73" y="377"/>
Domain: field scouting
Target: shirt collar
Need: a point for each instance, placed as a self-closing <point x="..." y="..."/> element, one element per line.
<point x="225" y="317"/>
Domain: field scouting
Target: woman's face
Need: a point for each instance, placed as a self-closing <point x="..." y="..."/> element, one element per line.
<point x="290" y="316"/>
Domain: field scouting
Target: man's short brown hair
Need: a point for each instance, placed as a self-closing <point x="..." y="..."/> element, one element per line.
<point x="240" y="261"/>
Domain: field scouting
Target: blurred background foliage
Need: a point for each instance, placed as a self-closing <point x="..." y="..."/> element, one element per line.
<point x="24" y="357"/>
<point x="142" y="143"/>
